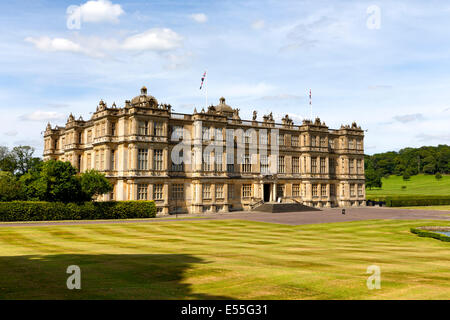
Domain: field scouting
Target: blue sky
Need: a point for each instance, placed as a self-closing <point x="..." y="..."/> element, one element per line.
<point x="261" y="55"/>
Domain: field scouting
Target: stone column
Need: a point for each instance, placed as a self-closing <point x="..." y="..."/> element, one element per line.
<point x="166" y="194"/>
<point x="274" y="192"/>
<point x="108" y="159"/>
<point x="165" y="159"/>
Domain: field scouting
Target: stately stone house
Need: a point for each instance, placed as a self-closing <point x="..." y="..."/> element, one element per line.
<point x="133" y="145"/>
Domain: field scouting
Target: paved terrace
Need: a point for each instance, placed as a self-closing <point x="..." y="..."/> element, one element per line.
<point x="290" y="218"/>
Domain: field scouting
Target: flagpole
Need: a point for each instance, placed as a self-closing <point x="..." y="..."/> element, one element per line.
<point x="206" y="89"/>
<point x="310" y="104"/>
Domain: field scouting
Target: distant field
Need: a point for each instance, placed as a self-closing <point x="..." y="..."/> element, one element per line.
<point x="417" y="185"/>
<point x="229" y="259"/>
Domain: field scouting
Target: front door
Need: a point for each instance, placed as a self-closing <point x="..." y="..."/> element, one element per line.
<point x="267" y="192"/>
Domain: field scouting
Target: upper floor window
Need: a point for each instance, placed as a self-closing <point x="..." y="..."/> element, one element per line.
<point x="206" y="133"/>
<point x="230" y="162"/>
<point x="359" y="145"/>
<point x="313" y="165"/>
<point x="158" y="129"/>
<point x="142" y="159"/>
<point x="113" y="128"/>
<point x="322" y="165"/>
<point x="113" y="160"/>
<point x="264" y="164"/>
<point x="263" y="138"/>
<point x="143" y="128"/>
<point x="280" y="164"/>
<point x="295" y="165"/>
<point x="247" y="166"/>
<point x="351" y="144"/>
<point x="158" y="160"/>
<point x="281" y="139"/>
<point x="294" y="141"/>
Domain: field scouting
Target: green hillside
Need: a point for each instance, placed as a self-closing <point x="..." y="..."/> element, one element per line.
<point x="417" y="185"/>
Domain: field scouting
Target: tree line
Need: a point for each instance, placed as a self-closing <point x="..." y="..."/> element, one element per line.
<point x="28" y="178"/>
<point x="407" y="162"/>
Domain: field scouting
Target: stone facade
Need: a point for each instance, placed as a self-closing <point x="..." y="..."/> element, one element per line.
<point x="133" y="146"/>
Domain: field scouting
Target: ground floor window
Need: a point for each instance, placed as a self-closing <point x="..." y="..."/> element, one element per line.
<point x="296" y="190"/>
<point x="314" y="190"/>
<point x="158" y="192"/>
<point x="323" y="190"/>
<point x="246" y="190"/>
<point x="219" y="191"/>
<point x="352" y="190"/>
<point x="206" y="191"/>
<point x="142" y="191"/>
<point x="360" y="190"/>
<point x="230" y="191"/>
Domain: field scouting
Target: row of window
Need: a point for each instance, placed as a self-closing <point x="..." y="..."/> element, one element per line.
<point x="177" y="191"/>
<point x="157" y="159"/>
<point x="144" y="128"/>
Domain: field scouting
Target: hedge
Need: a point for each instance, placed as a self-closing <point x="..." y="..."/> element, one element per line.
<point x="412" y="200"/>
<point x="48" y="211"/>
<point x="430" y="234"/>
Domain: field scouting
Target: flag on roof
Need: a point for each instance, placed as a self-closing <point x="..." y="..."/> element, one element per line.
<point x="203" y="79"/>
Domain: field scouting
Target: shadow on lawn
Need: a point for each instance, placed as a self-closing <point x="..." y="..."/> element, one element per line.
<point x="108" y="276"/>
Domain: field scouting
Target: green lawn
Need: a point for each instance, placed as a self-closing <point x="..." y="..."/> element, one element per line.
<point x="444" y="208"/>
<point x="224" y="259"/>
<point x="417" y="185"/>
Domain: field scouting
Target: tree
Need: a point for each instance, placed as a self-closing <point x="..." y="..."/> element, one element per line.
<point x="23" y="157"/>
<point x="9" y="187"/>
<point x="94" y="183"/>
<point x="57" y="181"/>
<point x="373" y="179"/>
<point x="7" y="161"/>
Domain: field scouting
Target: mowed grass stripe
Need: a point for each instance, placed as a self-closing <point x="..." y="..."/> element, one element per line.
<point x="227" y="259"/>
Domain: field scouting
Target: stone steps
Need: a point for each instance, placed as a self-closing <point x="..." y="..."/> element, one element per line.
<point x="283" y="207"/>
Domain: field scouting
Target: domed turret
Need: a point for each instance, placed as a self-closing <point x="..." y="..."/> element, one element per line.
<point x="222" y="106"/>
<point x="144" y="100"/>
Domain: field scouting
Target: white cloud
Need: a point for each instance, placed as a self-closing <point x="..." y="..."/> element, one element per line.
<point x="100" y="11"/>
<point x="155" y="39"/>
<point x="409" y="117"/>
<point x="258" y="24"/>
<point x="199" y="17"/>
<point x="42" y="116"/>
<point x="55" y="44"/>
<point x="11" y="133"/>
